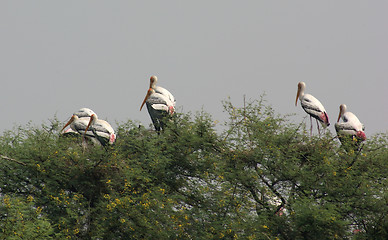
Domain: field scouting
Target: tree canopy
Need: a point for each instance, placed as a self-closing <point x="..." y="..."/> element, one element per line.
<point x="262" y="177"/>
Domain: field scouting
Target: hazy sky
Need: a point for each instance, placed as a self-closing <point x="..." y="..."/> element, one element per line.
<point x="59" y="56"/>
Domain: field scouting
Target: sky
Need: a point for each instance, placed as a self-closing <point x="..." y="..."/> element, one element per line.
<point x="59" y="56"/>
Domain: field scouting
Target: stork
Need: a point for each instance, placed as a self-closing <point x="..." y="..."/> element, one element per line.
<point x="101" y="130"/>
<point x="160" y="104"/>
<point x="86" y="123"/>
<point x="312" y="107"/>
<point x="350" y="125"/>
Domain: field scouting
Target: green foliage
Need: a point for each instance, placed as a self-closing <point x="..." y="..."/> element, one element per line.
<point x="21" y="219"/>
<point x="263" y="177"/>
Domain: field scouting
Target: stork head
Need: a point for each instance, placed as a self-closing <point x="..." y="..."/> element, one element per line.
<point x="93" y="119"/>
<point x="301" y="87"/>
<point x="72" y="119"/>
<point x="342" y="111"/>
<point x="149" y="92"/>
<point x="153" y="81"/>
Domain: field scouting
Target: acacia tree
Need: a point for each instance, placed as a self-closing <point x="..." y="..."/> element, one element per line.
<point x="263" y="177"/>
<point x="306" y="187"/>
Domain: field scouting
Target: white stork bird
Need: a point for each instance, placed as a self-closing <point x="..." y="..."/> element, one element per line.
<point x="312" y="106"/>
<point x="350" y="126"/>
<point x="86" y="123"/>
<point x="160" y="103"/>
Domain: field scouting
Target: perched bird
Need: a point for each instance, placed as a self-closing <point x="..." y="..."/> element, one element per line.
<point x="312" y="106"/>
<point x="86" y="123"/>
<point x="101" y="130"/>
<point x="350" y="126"/>
<point x="160" y="104"/>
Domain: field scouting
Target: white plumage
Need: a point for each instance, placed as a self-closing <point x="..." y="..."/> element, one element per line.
<point x="351" y="125"/>
<point x="160" y="104"/>
<point x="161" y="90"/>
<point x="85" y="122"/>
<point x="312" y="106"/>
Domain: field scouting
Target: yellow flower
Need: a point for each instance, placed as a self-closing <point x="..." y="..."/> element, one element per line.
<point x="265" y="226"/>
<point x="38" y="210"/>
<point x="122" y="220"/>
<point x="108" y="207"/>
<point x="6" y="201"/>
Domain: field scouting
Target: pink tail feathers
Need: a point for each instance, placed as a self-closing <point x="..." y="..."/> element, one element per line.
<point x="361" y="135"/>
<point x="112" y="138"/>
<point x="325" y="119"/>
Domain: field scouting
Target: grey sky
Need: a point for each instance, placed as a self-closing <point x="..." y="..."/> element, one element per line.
<point x="59" y="56"/>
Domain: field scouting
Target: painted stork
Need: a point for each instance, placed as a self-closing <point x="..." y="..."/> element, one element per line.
<point x="312" y="107"/>
<point x="101" y="130"/>
<point x="160" y="104"/>
<point x="350" y="126"/>
<point x="86" y="123"/>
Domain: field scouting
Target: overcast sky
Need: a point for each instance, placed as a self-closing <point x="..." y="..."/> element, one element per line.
<point x="59" y="56"/>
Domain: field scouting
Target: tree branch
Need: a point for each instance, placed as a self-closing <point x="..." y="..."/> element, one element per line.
<point x="12" y="160"/>
<point x="271" y="187"/>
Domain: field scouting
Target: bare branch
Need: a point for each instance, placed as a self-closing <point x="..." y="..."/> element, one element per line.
<point x="12" y="160"/>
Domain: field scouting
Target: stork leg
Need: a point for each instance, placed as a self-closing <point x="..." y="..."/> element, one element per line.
<point x="311" y="126"/>
<point x="84" y="143"/>
<point x="319" y="132"/>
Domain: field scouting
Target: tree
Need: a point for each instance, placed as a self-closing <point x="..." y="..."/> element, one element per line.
<point x="262" y="177"/>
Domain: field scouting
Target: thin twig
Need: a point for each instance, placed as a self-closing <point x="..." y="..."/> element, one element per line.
<point x="13" y="160"/>
<point x="355" y="158"/>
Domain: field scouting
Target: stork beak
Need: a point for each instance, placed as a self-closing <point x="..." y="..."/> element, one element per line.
<point x="68" y="123"/>
<point x="90" y="123"/>
<point x="297" y="96"/>
<point x="146" y="97"/>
